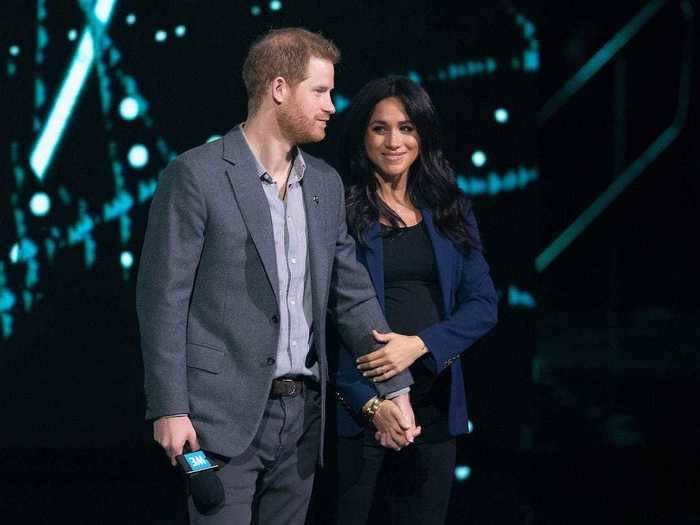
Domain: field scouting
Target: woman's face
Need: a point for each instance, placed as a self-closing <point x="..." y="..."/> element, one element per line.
<point x="391" y="139"/>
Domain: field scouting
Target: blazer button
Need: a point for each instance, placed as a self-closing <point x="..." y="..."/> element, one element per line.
<point x="270" y="361"/>
<point x="275" y="319"/>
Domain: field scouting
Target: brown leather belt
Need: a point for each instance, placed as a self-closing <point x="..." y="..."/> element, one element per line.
<point x="286" y="387"/>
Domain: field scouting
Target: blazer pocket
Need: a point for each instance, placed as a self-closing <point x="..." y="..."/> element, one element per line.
<point x="205" y="358"/>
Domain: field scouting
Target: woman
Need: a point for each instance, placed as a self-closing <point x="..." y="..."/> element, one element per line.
<point x="418" y="238"/>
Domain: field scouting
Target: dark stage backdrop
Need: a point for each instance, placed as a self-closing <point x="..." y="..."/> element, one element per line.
<point x="99" y="96"/>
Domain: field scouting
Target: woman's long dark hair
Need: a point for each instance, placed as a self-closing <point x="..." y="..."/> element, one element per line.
<point x="431" y="182"/>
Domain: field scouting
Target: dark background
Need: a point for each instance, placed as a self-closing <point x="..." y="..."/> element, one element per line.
<point x="583" y="398"/>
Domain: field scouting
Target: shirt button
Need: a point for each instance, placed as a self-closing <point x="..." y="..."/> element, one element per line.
<point x="270" y="361"/>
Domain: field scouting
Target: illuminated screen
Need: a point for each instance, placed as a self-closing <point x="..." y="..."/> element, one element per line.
<point x="103" y="94"/>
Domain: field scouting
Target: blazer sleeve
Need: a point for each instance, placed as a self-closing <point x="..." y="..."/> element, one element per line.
<point x="169" y="259"/>
<point x="475" y="312"/>
<point x="352" y="387"/>
<point x="353" y="302"/>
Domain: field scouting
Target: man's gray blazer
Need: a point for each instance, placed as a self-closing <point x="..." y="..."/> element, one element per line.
<point x="207" y="290"/>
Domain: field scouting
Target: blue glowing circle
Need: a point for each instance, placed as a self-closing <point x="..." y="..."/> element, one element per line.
<point x="275" y="5"/>
<point x="40" y="204"/>
<point x="501" y="115"/>
<point x="129" y="108"/>
<point x="138" y="156"/>
<point x="72" y="35"/>
<point x="14" y="50"/>
<point x="127" y="260"/>
<point x="131" y="19"/>
<point x="255" y="10"/>
<point x="479" y="158"/>
<point x="14" y="253"/>
<point x="7" y="300"/>
<point x="462" y="472"/>
<point x="180" y="31"/>
<point x="161" y="36"/>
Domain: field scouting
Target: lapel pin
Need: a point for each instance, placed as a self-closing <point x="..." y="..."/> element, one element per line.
<point x="315" y="199"/>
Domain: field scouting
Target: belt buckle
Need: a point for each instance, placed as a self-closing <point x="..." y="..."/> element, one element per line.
<point x="291" y="386"/>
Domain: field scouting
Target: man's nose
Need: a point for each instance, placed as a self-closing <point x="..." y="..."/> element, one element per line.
<point x="329" y="107"/>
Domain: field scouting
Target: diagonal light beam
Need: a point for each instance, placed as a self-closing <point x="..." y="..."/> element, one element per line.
<point x="602" y="57"/>
<point x="660" y="144"/>
<point x="63" y="106"/>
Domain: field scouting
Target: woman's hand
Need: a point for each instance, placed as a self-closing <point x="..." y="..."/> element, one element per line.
<point x="398" y="353"/>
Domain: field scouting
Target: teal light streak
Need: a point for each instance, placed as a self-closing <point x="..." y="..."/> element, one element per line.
<point x="575" y="229"/>
<point x="598" y="60"/>
<point x="660" y="144"/>
<point x="62" y="109"/>
<point x="495" y="183"/>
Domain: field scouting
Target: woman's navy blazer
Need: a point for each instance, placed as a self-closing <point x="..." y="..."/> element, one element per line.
<point x="470" y="303"/>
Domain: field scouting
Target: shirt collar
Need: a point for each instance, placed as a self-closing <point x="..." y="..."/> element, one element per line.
<point x="298" y="164"/>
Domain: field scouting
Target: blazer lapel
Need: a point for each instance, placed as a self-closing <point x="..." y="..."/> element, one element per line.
<point x="315" y="206"/>
<point x="252" y="202"/>
<point x="445" y="260"/>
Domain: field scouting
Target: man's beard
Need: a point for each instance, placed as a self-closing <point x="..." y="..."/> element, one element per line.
<point x="298" y="128"/>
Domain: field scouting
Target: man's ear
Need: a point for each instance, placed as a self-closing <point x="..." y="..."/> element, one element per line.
<point x="280" y="89"/>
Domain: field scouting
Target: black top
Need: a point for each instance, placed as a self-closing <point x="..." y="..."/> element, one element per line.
<point x="413" y="302"/>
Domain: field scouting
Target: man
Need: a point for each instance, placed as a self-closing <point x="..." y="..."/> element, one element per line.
<point x="246" y="249"/>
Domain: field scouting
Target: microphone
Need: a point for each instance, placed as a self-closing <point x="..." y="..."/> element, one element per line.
<point x="205" y="486"/>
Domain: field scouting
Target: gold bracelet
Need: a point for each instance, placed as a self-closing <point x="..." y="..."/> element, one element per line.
<point x="373" y="407"/>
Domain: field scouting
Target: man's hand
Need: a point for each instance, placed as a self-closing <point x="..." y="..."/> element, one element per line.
<point x="172" y="432"/>
<point x="404" y="403"/>
<point x="398" y="353"/>
<point x="405" y="419"/>
<point x="391" y="424"/>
